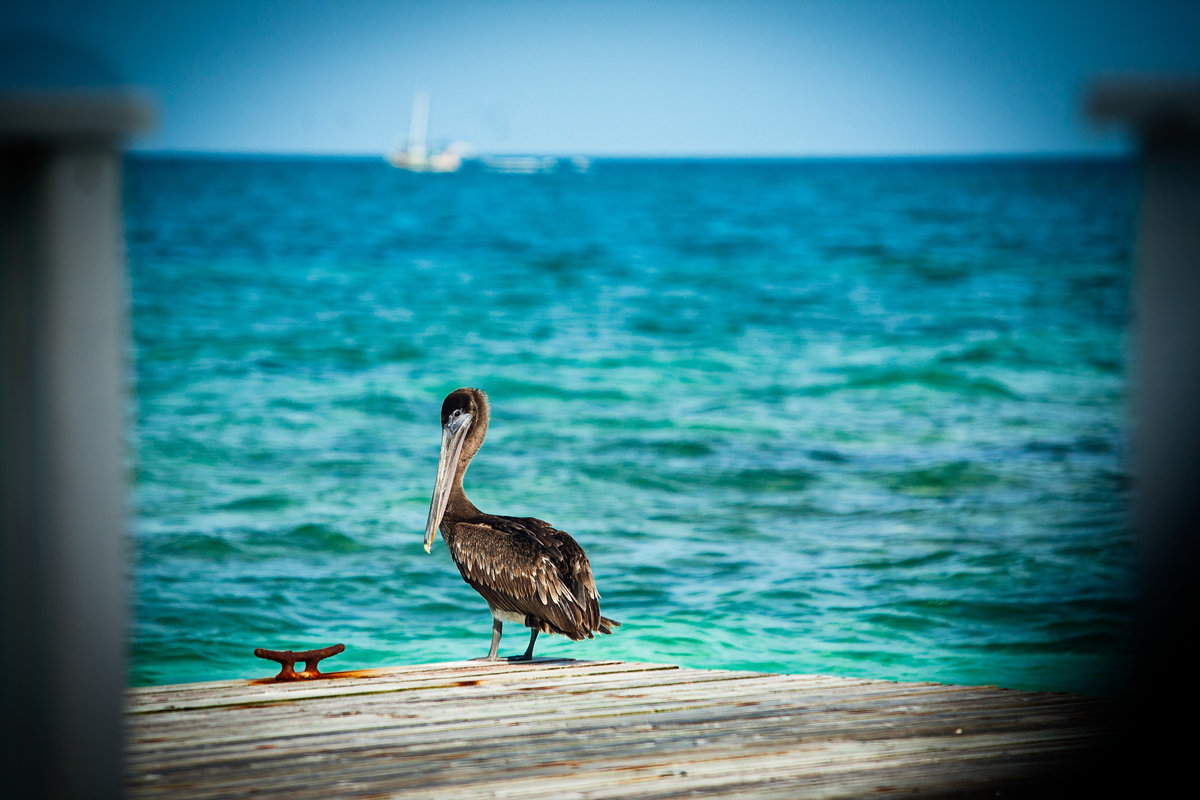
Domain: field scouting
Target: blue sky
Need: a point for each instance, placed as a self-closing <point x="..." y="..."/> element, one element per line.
<point x="861" y="77"/>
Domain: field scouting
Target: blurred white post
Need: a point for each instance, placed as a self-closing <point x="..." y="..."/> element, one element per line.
<point x="418" y="123"/>
<point x="1165" y="117"/>
<point x="63" y="339"/>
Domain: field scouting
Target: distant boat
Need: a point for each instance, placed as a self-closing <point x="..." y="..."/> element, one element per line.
<point x="528" y="165"/>
<point x="415" y="156"/>
<point x="519" y="165"/>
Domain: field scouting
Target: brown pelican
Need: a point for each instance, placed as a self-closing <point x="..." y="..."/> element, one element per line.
<point x="527" y="571"/>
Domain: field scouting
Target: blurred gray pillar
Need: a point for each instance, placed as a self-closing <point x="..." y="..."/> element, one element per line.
<point x="63" y="339"/>
<point x="1165" y="116"/>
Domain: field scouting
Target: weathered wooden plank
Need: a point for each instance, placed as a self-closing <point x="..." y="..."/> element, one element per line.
<point x="350" y="718"/>
<point x="626" y="699"/>
<point x="578" y="684"/>
<point x="829" y="765"/>
<point x="597" y="729"/>
<point x="427" y="764"/>
<point x="571" y="773"/>
<point x="355" y="721"/>
<point x="575" y="690"/>
<point x="248" y="693"/>
<point x="400" y="672"/>
<point x="686" y="729"/>
<point x="763" y="727"/>
<point x="531" y="738"/>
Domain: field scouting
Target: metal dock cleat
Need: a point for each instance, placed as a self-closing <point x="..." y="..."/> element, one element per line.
<point x="287" y="660"/>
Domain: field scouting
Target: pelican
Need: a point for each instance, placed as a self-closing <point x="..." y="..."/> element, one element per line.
<point x="527" y="571"/>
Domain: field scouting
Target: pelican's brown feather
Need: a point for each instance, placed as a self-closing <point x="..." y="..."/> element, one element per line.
<point x="522" y="565"/>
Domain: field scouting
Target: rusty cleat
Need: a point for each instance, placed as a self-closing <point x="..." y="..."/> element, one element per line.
<point x="287" y="659"/>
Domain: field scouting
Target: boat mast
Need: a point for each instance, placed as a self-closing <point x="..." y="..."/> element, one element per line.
<point x="417" y="126"/>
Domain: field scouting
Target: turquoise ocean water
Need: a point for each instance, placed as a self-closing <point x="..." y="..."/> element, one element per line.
<point x="854" y="417"/>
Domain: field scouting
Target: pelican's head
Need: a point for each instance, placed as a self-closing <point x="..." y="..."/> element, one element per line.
<point x="465" y="415"/>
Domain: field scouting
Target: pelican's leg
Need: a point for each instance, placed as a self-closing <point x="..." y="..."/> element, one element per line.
<point x="533" y="632"/>
<point x="497" y="626"/>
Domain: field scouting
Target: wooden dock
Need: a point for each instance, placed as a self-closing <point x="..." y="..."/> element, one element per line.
<point x="590" y="729"/>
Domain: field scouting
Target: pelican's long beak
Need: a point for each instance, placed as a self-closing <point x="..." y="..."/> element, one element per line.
<point x="454" y="433"/>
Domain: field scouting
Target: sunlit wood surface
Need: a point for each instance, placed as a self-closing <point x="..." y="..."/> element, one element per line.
<point x="560" y="729"/>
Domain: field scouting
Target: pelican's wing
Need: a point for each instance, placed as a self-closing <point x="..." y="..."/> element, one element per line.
<point x="519" y="568"/>
<point x="574" y="568"/>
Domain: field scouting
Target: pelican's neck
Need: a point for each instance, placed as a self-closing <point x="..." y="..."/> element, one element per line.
<point x="459" y="506"/>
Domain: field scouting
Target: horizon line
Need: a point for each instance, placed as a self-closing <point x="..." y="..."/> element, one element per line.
<point x="1105" y="154"/>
